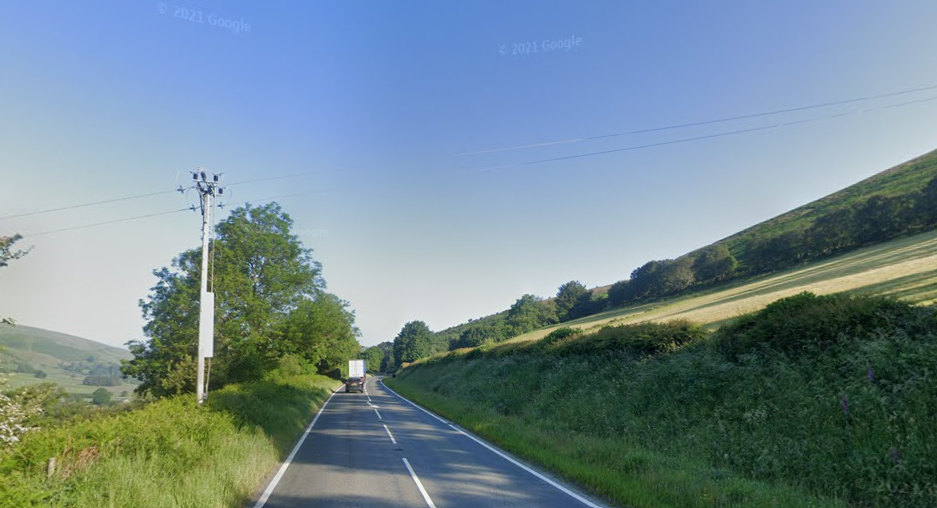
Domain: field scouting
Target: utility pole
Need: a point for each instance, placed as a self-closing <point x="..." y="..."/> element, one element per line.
<point x="207" y="189"/>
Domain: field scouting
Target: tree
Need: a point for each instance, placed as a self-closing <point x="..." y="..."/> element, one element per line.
<point x="528" y="313"/>
<point x="714" y="264"/>
<point x="568" y="297"/>
<point x="881" y="218"/>
<point x="321" y="332"/>
<point x="620" y="292"/>
<point x="373" y="357"/>
<point x="100" y="397"/>
<point x="7" y="254"/>
<point x="483" y="333"/>
<point x="925" y="204"/>
<point x="832" y="232"/>
<point x="414" y="341"/>
<point x="262" y="274"/>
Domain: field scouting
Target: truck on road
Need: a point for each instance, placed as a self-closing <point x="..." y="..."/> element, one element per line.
<point x="356" y="376"/>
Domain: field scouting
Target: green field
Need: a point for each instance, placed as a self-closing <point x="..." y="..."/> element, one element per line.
<point x="905" y="268"/>
<point x="46" y="351"/>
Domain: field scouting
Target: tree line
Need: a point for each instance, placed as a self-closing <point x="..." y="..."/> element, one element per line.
<point x="876" y="219"/>
<point x="850" y="226"/>
<point x="272" y="312"/>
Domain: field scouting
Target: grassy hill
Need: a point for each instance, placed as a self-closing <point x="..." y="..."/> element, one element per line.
<point x="905" y="268"/>
<point x="903" y="179"/>
<point x="65" y="359"/>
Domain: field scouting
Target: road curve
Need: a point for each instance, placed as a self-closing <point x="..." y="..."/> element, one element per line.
<point x="377" y="450"/>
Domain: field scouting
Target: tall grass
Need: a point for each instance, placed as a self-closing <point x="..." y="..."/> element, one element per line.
<point x="815" y="401"/>
<point x="169" y="453"/>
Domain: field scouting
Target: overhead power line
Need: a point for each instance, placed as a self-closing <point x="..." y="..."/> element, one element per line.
<point x="83" y="205"/>
<point x="704" y="122"/>
<point x="695" y="138"/>
<point x="139" y="196"/>
<point x="106" y="222"/>
<point x="138" y="217"/>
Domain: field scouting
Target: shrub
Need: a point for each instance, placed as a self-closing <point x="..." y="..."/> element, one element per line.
<point x="640" y="339"/>
<point x="805" y="324"/>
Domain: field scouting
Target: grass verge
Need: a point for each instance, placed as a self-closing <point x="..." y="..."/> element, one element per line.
<point x="169" y="453"/>
<point x="814" y="401"/>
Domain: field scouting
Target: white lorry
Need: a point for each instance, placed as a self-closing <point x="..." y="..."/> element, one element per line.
<point x="356" y="376"/>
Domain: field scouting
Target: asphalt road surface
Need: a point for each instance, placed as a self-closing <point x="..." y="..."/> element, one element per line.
<point x="377" y="450"/>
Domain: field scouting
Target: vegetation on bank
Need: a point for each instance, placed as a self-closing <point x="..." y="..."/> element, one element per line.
<point x="167" y="453"/>
<point x="813" y="401"/>
<point x="897" y="202"/>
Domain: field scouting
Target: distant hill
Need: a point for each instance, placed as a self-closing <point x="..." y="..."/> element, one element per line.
<point x="65" y="359"/>
<point x="790" y="239"/>
<point x="904" y="179"/>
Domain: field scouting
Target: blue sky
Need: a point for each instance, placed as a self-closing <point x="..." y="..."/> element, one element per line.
<point x="373" y="101"/>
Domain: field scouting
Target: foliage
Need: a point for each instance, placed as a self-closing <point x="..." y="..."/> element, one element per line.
<point x="7" y="254"/>
<point x="413" y="342"/>
<point x="155" y="455"/>
<point x="569" y="296"/>
<point x="270" y="302"/>
<point x="101" y="397"/>
<point x="321" y="332"/>
<point x="804" y="325"/>
<point x="714" y="263"/>
<point x="896" y="202"/>
<point x="373" y="357"/>
<point x="854" y="420"/>
<point x="529" y="313"/>
<point x="620" y="292"/>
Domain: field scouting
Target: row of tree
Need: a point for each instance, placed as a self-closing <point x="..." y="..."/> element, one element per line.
<point x="529" y="312"/>
<point x="876" y="219"/>
<point x="272" y="310"/>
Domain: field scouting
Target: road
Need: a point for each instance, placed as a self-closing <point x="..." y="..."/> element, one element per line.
<point x="377" y="450"/>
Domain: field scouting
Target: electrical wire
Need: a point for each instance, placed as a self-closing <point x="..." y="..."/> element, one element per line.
<point x="106" y="222"/>
<point x="537" y="145"/>
<point x="83" y="205"/>
<point x="704" y="122"/>
<point x="522" y="164"/>
<point x="695" y="138"/>
<point x="139" y="196"/>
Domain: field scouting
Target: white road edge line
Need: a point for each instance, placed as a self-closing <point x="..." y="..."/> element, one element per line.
<point x="501" y="454"/>
<point x="419" y="484"/>
<point x="276" y="479"/>
<point x="412" y="404"/>
<point x="378" y="415"/>
<point x="391" y="436"/>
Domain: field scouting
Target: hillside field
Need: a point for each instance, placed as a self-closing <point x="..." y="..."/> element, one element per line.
<point x="47" y="351"/>
<point x="905" y="268"/>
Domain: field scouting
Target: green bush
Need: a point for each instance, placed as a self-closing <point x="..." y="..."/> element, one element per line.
<point x="650" y="425"/>
<point x="639" y="339"/>
<point x="806" y="324"/>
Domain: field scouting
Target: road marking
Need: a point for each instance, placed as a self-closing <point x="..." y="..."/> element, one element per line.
<point x="391" y="436"/>
<point x="419" y="484"/>
<point x="378" y="415"/>
<point x="276" y="479"/>
<point x="412" y="404"/>
<point x="501" y="454"/>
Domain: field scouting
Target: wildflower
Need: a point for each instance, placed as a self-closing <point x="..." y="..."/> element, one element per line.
<point x="895" y="456"/>
<point x="869" y="373"/>
<point x="845" y="403"/>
